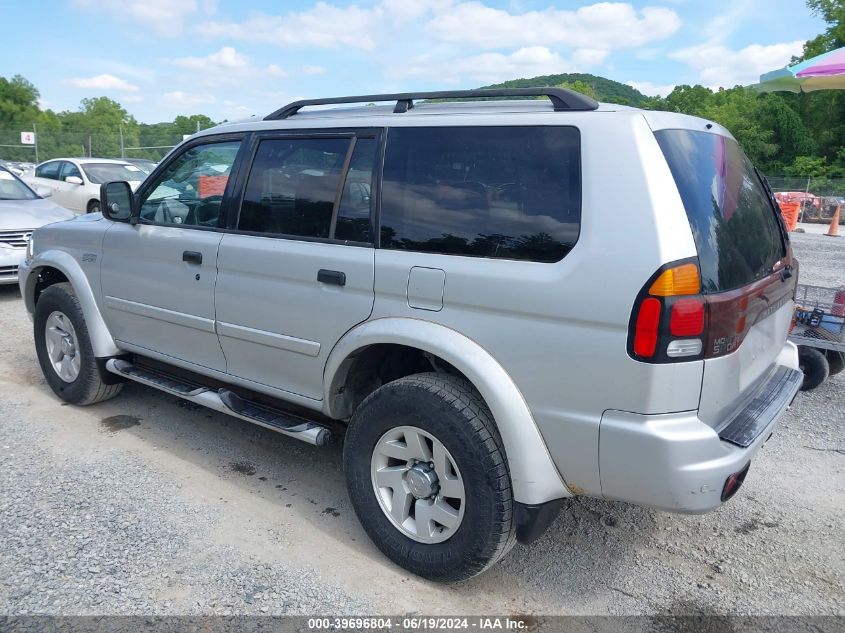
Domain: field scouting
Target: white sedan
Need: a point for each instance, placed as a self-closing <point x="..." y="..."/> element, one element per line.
<point x="75" y="182"/>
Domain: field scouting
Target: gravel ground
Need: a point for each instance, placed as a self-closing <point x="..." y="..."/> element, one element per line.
<point x="821" y="258"/>
<point x="148" y="505"/>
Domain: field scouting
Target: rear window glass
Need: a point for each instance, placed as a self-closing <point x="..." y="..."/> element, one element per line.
<point x="504" y="192"/>
<point x="731" y="215"/>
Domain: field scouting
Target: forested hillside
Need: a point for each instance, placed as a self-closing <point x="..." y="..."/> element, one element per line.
<point x="600" y="88"/>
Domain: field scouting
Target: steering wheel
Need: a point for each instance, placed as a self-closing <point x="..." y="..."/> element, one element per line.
<point x="206" y="204"/>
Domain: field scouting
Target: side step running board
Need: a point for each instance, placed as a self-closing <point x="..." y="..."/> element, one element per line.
<point x="169" y="384"/>
<point x="226" y="402"/>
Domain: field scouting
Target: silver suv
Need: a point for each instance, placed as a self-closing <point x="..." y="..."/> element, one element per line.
<point x="495" y="304"/>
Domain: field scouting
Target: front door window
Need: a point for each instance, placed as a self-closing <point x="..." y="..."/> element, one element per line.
<point x="190" y="191"/>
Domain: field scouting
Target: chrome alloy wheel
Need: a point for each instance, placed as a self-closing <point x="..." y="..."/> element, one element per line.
<point x="417" y="484"/>
<point x="62" y="346"/>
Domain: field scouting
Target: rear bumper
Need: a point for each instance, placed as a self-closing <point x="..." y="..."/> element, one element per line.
<point x="678" y="463"/>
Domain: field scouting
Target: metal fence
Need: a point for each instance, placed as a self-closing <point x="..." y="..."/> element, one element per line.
<point x="151" y="141"/>
<point x="819" y="197"/>
<point x="812" y="186"/>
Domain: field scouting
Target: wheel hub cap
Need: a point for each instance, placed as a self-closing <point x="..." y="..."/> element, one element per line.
<point x="62" y="345"/>
<point x="417" y="484"/>
<point x="422" y="481"/>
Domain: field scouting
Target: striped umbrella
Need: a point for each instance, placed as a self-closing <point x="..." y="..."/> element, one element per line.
<point x="823" y="72"/>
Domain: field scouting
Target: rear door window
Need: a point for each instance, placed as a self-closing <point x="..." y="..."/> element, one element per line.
<point x="502" y="192"/>
<point x="49" y="170"/>
<point x="732" y="218"/>
<point x="69" y="169"/>
<point x="294" y="189"/>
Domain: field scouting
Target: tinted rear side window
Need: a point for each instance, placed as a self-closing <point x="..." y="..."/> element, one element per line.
<point x="504" y="192"/>
<point x="731" y="215"/>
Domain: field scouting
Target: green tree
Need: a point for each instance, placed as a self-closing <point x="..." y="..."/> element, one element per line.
<point x="833" y="13"/>
<point x="581" y="86"/>
<point x="18" y="100"/>
<point x="692" y="100"/>
<point x="97" y="127"/>
<point x="808" y="166"/>
<point x="739" y="110"/>
<point x="823" y="111"/>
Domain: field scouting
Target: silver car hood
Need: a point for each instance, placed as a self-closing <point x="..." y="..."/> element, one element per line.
<point x="30" y="214"/>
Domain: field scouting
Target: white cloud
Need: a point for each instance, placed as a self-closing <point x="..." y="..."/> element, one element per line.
<point x="102" y="82"/>
<point x="178" y="98"/>
<point x="487" y="67"/>
<point x="225" y="67"/>
<point x="227" y="58"/>
<point x="323" y="25"/>
<point x="406" y="11"/>
<point x="234" y="110"/>
<point x="604" y="26"/>
<point x="165" y="17"/>
<point x="719" y="66"/>
<point x="593" y="30"/>
<point x="651" y="89"/>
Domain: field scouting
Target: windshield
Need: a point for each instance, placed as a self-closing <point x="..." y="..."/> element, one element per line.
<point x="732" y="217"/>
<point x="13" y="189"/>
<point x="98" y="173"/>
<point x="144" y="165"/>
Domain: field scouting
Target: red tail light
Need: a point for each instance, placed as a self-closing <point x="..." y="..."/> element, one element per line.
<point x="687" y="317"/>
<point x="648" y="322"/>
<point x="674" y="321"/>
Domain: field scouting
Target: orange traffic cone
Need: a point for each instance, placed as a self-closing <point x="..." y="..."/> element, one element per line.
<point x="833" y="231"/>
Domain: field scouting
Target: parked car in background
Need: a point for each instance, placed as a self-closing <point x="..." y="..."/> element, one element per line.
<point x="75" y="182"/>
<point x="144" y="164"/>
<point x="11" y="166"/>
<point x="22" y="210"/>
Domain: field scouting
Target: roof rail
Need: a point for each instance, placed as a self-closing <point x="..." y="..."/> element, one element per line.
<point x="562" y="99"/>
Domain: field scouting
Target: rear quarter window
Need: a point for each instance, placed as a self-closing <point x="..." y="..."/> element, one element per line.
<point x="731" y="215"/>
<point x="502" y="192"/>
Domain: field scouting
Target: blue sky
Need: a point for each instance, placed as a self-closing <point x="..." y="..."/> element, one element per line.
<point x="231" y="59"/>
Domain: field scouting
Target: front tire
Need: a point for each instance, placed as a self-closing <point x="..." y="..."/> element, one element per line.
<point x="64" y="348"/>
<point x="93" y="207"/>
<point x="428" y="478"/>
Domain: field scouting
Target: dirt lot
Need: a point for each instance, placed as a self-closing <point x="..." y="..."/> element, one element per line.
<point x="145" y="505"/>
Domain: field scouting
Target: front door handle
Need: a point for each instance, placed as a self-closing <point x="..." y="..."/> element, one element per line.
<point x="334" y="277"/>
<point x="192" y="257"/>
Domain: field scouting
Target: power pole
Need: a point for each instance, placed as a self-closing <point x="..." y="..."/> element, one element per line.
<point x="35" y="134"/>
<point x="122" y="152"/>
<point x="198" y="125"/>
<point x="89" y="147"/>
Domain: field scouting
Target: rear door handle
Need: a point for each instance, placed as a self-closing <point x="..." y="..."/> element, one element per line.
<point x="192" y="257"/>
<point x="334" y="277"/>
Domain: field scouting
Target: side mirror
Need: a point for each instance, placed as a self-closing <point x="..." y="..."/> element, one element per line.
<point x="44" y="192"/>
<point x="116" y="201"/>
<point x="73" y="180"/>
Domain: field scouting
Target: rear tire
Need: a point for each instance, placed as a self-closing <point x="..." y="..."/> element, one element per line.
<point x="449" y="416"/>
<point x="814" y="365"/>
<point x="64" y="349"/>
<point x="835" y="362"/>
<point x="93" y="207"/>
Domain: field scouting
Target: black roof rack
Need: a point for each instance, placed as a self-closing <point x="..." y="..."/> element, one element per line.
<point x="562" y="99"/>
